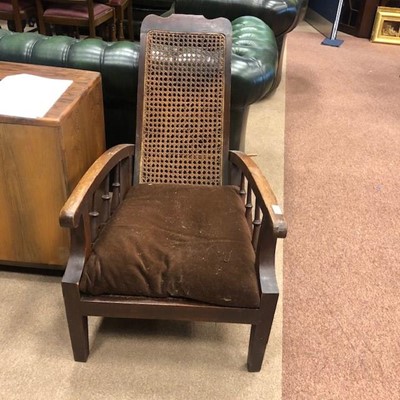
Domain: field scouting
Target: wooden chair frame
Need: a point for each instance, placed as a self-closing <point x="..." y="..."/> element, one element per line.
<point x="120" y="10"/>
<point x="18" y="14"/>
<point x="91" y="23"/>
<point x="90" y="206"/>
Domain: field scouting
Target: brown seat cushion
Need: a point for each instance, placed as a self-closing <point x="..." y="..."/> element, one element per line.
<point x="178" y="241"/>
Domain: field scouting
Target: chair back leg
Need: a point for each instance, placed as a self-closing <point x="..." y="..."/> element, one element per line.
<point x="120" y="21"/>
<point x="92" y="30"/>
<point x="17" y="16"/>
<point x="112" y="29"/>
<point x="40" y="21"/>
<point x="130" y="21"/>
<point x="18" y="22"/>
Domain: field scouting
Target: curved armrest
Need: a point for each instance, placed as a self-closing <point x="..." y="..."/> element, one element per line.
<point x="262" y="190"/>
<point x="71" y="212"/>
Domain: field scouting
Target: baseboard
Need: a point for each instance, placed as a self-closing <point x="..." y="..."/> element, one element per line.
<point x="318" y="22"/>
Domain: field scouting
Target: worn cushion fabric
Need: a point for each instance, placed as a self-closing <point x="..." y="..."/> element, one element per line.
<point x="177" y="241"/>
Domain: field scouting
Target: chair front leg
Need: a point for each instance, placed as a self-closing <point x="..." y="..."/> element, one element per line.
<point x="130" y="21"/>
<point x="113" y="29"/>
<point x="77" y="323"/>
<point x="260" y="332"/>
<point x="120" y="21"/>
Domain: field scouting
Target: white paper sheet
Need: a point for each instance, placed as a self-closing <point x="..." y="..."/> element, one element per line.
<point x="30" y="96"/>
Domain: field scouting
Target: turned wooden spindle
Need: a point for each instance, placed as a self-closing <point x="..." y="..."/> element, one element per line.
<point x="242" y="190"/>
<point x="249" y="206"/>
<point x="125" y="176"/>
<point x="94" y="220"/>
<point x="256" y="225"/>
<point x="116" y="186"/>
<point x="106" y="200"/>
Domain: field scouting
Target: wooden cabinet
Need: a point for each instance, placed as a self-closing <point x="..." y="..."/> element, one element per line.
<point x="357" y="17"/>
<point x="41" y="161"/>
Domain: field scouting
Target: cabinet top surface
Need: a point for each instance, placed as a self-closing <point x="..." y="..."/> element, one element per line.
<point x="83" y="81"/>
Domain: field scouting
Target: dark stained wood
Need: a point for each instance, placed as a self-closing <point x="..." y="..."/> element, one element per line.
<point x="91" y="22"/>
<point x="18" y="14"/>
<point x="261" y="188"/>
<point x="111" y="176"/>
<point x="75" y="206"/>
<point x="123" y="7"/>
<point x="361" y="26"/>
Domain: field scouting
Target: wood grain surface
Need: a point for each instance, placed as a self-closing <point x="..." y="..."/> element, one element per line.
<point x="41" y="161"/>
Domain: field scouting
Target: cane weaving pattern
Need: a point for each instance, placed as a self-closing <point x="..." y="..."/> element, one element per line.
<point x="183" y="115"/>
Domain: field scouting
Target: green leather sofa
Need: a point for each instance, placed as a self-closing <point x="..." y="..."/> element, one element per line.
<point x="254" y="64"/>
<point x="281" y="16"/>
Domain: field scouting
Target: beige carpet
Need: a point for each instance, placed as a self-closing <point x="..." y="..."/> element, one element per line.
<point x="342" y="200"/>
<point x="138" y="359"/>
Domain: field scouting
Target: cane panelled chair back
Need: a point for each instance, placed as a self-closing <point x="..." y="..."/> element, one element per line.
<point x="178" y="237"/>
<point x="183" y="118"/>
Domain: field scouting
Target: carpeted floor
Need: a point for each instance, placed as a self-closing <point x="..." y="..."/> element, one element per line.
<point x="341" y="327"/>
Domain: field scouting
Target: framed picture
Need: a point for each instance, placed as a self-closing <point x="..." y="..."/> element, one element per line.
<point x="386" y="26"/>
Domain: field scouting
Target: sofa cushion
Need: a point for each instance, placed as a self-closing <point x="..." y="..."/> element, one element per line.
<point x="280" y="15"/>
<point x="176" y="241"/>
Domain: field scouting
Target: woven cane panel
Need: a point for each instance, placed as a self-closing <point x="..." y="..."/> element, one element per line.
<point x="183" y="116"/>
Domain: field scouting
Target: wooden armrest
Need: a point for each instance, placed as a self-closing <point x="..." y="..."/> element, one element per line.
<point x="74" y="206"/>
<point x="262" y="190"/>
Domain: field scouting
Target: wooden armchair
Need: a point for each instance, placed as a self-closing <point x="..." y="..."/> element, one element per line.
<point x="177" y="226"/>
<point x="76" y="13"/>
<point x="17" y="13"/>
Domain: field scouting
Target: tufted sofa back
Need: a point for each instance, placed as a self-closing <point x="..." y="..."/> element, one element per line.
<point x="280" y="15"/>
